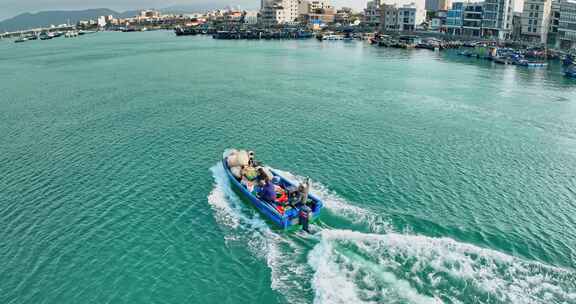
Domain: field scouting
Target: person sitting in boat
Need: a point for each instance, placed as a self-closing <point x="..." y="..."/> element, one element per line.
<point x="249" y="172"/>
<point x="297" y="196"/>
<point x="281" y="198"/>
<point x="251" y="158"/>
<point x="267" y="192"/>
<point x="281" y="195"/>
<point x="248" y="176"/>
<point x="263" y="175"/>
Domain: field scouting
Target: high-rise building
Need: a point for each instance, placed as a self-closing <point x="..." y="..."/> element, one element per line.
<point x="567" y="24"/>
<point x="554" y="22"/>
<point x="455" y="19"/>
<point x="497" y="18"/>
<point x="488" y="19"/>
<point x="536" y="20"/>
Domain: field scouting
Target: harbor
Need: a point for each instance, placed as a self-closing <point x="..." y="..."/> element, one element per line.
<point x="288" y="152"/>
<point x="500" y="52"/>
<point x="112" y="167"/>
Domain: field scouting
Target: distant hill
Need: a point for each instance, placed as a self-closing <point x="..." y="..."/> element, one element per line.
<point x="206" y="5"/>
<point x="46" y="18"/>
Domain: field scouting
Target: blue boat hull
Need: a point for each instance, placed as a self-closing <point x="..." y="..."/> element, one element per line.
<point x="290" y="219"/>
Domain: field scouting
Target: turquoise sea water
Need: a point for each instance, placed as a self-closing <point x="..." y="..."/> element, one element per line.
<point x="446" y="179"/>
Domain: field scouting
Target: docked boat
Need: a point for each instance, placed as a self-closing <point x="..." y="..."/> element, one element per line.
<point x="530" y="64"/>
<point x="330" y="37"/>
<point x="519" y="60"/>
<point x="293" y="208"/>
<point x="46" y="36"/>
<point x="501" y="59"/>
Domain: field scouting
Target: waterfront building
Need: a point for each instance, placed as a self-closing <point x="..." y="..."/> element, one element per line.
<point x="438" y="5"/>
<point x="413" y="14"/>
<point x="344" y="16"/>
<point x="316" y="12"/>
<point x="435" y="24"/>
<point x="567" y="24"/>
<point x="372" y="13"/>
<point x="251" y="17"/>
<point x="401" y="17"/>
<point x="316" y="4"/>
<point x="454" y="19"/>
<point x="472" y="15"/>
<point x="497" y="18"/>
<point x="536" y="20"/>
<point x="554" y="22"/>
<point x="516" y="33"/>
<point x="149" y="14"/>
<point x="487" y="19"/>
<point x="279" y="11"/>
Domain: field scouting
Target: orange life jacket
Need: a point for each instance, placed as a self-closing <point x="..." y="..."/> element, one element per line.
<point x="281" y="195"/>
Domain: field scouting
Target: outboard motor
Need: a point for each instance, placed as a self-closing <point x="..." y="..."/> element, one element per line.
<point x="305" y="210"/>
<point x="305" y="217"/>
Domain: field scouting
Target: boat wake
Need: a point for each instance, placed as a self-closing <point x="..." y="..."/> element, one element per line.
<point x="353" y="267"/>
<point x="381" y="265"/>
<point x="286" y="257"/>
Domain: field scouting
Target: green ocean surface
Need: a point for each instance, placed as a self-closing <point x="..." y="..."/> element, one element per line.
<point x="446" y="179"/>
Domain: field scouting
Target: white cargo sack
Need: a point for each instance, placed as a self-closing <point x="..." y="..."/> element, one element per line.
<point x="236" y="171"/>
<point x="232" y="160"/>
<point x="238" y="159"/>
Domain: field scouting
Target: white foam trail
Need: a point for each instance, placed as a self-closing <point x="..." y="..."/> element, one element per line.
<point x="342" y="208"/>
<point x="245" y="225"/>
<point x="354" y="267"/>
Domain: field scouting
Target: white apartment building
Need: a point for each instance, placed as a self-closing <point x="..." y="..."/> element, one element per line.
<point x="251" y="17"/>
<point x="309" y="6"/>
<point x="279" y="11"/>
<point x="413" y="12"/>
<point x="536" y="20"/>
<point x="401" y="18"/>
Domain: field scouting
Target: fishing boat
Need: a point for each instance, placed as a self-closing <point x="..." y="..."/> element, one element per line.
<point x="332" y="37"/>
<point x="21" y="39"/>
<point x="521" y="61"/>
<point x="294" y="207"/>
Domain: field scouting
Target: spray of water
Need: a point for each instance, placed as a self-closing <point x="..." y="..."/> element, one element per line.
<point x="344" y="266"/>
